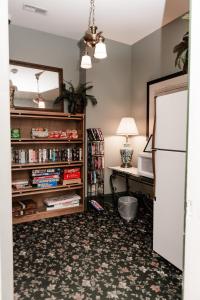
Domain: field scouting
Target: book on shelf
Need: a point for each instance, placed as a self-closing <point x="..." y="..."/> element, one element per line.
<point x="72" y="203"/>
<point x="44" y="172"/>
<point x="71" y="181"/>
<point x="69" y="198"/>
<point x="95" y="134"/>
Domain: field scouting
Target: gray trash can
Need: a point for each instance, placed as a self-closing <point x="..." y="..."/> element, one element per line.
<point x="127" y="207"/>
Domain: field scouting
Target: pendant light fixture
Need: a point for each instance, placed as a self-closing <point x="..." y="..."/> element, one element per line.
<point x="39" y="100"/>
<point x="93" y="40"/>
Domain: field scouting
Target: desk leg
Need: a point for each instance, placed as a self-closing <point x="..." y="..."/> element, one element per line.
<point x="113" y="189"/>
<point x="127" y="185"/>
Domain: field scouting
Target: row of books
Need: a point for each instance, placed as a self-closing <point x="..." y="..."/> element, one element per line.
<point x="95" y="189"/>
<point x="60" y="202"/>
<point x="96" y="162"/>
<point x="95" y="134"/>
<point x="96" y="176"/>
<point x="42" y="155"/>
<point x="96" y="148"/>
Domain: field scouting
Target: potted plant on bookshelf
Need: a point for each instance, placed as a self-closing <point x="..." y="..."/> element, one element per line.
<point x="77" y="98"/>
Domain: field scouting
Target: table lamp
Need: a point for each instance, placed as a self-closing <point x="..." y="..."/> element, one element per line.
<point x="127" y="127"/>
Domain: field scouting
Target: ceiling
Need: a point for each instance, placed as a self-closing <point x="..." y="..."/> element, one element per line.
<point x="125" y="21"/>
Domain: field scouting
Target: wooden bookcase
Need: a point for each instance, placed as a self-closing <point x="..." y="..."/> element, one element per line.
<point x="25" y="120"/>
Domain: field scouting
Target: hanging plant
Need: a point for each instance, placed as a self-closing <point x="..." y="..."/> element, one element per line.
<point x="182" y="53"/>
<point x="77" y="98"/>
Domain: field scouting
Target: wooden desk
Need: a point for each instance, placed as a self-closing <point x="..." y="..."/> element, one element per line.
<point x="128" y="174"/>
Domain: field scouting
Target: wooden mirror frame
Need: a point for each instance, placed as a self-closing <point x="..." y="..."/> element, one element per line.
<point x="46" y="68"/>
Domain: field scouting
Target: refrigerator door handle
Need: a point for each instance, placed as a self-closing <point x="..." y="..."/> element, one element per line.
<point x="154" y="149"/>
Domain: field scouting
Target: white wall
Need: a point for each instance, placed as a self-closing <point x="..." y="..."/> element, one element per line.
<point x="192" y="243"/>
<point x="6" y="259"/>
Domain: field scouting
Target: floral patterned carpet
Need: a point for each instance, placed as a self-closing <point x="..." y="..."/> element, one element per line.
<point x="91" y="256"/>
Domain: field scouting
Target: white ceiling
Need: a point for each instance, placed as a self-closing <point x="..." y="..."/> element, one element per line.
<point x="125" y="21"/>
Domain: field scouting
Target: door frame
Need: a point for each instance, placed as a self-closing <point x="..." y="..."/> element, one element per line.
<point x="6" y="244"/>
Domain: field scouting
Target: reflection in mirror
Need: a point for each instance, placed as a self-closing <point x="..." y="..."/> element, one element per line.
<point x="34" y="86"/>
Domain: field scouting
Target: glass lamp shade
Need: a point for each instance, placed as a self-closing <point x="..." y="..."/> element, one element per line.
<point x="127" y="127"/>
<point x="41" y="104"/>
<point x="86" y="62"/>
<point x="100" y="50"/>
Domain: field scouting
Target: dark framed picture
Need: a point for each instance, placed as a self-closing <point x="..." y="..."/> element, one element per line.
<point x="159" y="86"/>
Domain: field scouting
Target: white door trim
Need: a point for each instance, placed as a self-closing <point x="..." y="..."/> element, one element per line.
<point x="192" y="240"/>
<point x="6" y="256"/>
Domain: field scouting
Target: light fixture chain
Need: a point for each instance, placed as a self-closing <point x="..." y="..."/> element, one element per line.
<point x="92" y="13"/>
<point x="93" y="9"/>
<point x="38" y="90"/>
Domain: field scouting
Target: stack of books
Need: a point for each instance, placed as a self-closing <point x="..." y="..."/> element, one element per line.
<point x="65" y="201"/>
<point x="45" y="178"/>
<point x="71" y="176"/>
<point x="20" y="184"/>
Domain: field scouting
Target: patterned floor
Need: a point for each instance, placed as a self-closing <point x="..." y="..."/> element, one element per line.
<point x="91" y="256"/>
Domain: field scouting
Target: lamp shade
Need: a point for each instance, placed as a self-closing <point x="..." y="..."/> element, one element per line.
<point x="100" y="50"/>
<point x="127" y="127"/>
<point x="86" y="62"/>
<point x="41" y="104"/>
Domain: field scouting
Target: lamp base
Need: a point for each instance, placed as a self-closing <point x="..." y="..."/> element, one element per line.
<point x="126" y="165"/>
<point x="126" y="156"/>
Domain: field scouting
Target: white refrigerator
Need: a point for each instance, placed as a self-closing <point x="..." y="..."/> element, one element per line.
<point x="170" y="167"/>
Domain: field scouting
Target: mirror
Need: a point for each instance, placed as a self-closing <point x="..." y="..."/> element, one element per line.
<point x="35" y="86"/>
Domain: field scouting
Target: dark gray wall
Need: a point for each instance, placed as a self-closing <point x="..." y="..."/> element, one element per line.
<point x="152" y="57"/>
<point x="112" y="87"/>
<point x="46" y="49"/>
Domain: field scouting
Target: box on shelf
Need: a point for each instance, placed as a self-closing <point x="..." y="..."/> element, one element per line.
<point x="24" y="207"/>
<point x="15" y="133"/>
<point x="39" y="133"/>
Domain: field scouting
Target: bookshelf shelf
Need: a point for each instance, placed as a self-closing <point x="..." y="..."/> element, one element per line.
<point x="44" y="141"/>
<point x="36" y="191"/>
<point x="35" y="166"/>
<point x="28" y="114"/>
<point x="68" y="152"/>
<point x="47" y="214"/>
